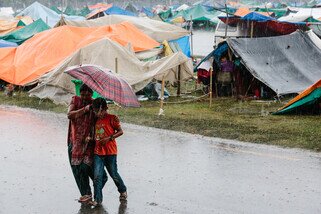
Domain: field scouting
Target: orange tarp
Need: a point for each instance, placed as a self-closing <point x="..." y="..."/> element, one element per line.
<point x="47" y="49"/>
<point x="6" y="26"/>
<point x="243" y="11"/>
<point x="99" y="5"/>
<point x="303" y="94"/>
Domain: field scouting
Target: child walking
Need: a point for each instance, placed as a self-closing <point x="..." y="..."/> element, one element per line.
<point x="107" y="129"/>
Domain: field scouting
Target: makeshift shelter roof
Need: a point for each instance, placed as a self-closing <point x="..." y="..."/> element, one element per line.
<point x="148" y="12"/>
<point x="302" y="14"/>
<point x="306" y="98"/>
<point x="38" y="11"/>
<point x="57" y="85"/>
<point x="98" y="12"/>
<point x="157" y="30"/>
<point x="277" y="61"/>
<point x="98" y="6"/>
<point x="7" y="26"/>
<point x="182" y="7"/>
<point x="114" y="10"/>
<point x="131" y="8"/>
<point x="266" y="22"/>
<point x="5" y="44"/>
<point x="21" y="35"/>
<point x="47" y="49"/>
<point x="197" y="13"/>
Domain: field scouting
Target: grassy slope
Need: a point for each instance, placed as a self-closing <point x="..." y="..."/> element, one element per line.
<point x="227" y="118"/>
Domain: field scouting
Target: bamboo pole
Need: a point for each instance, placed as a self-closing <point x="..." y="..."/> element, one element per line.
<point x="252" y="29"/>
<point x="161" y="110"/>
<point x="226" y="26"/>
<point x="211" y="86"/>
<point x="179" y="81"/>
<point x="116" y="65"/>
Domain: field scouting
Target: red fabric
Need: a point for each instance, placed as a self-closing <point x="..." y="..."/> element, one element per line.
<point x="79" y="129"/>
<point x="103" y="129"/>
<point x="202" y="73"/>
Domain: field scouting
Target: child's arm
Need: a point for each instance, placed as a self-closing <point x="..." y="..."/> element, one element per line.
<point x="118" y="132"/>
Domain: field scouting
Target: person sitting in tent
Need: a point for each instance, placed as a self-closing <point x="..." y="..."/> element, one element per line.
<point x="9" y="90"/>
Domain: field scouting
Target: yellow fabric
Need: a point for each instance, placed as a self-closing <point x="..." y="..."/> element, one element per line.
<point x="167" y="49"/>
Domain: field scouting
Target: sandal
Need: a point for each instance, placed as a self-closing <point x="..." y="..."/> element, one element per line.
<point x="84" y="198"/>
<point x="94" y="203"/>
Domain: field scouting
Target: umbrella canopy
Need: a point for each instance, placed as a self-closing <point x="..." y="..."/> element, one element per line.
<point x="106" y="83"/>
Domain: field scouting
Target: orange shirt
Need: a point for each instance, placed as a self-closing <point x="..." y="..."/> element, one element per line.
<point x="104" y="128"/>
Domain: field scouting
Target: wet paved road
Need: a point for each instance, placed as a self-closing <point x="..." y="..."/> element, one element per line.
<point x="165" y="172"/>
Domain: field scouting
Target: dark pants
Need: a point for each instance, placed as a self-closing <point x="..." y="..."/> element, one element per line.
<point x="110" y="162"/>
<point x="82" y="173"/>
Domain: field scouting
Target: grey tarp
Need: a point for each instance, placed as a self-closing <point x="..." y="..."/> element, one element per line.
<point x="57" y="86"/>
<point x="287" y="64"/>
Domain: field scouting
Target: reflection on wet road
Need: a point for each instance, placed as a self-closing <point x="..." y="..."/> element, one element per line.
<point x="165" y="172"/>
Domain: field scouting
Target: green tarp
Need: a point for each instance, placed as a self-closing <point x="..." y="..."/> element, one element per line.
<point x="278" y="12"/>
<point x="309" y="100"/>
<point x="54" y="8"/>
<point x="21" y="35"/>
<point x="198" y="13"/>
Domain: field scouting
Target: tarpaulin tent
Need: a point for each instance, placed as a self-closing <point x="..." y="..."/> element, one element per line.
<point x="21" y="35"/>
<point x="114" y="10"/>
<point x="45" y="50"/>
<point x="57" y="85"/>
<point x="266" y="23"/>
<point x="38" y="11"/>
<point x="197" y="13"/>
<point x="286" y="64"/>
<point x="307" y="98"/>
<point x="157" y="30"/>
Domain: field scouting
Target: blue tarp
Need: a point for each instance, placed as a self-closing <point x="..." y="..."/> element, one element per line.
<point x="256" y="17"/>
<point x="119" y="11"/>
<point x="217" y="53"/>
<point x="5" y="44"/>
<point x="184" y="44"/>
<point x="147" y="11"/>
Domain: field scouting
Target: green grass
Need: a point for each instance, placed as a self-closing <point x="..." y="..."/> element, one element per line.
<point x="227" y="118"/>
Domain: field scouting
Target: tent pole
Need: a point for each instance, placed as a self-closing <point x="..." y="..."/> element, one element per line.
<point x="179" y="81"/>
<point x="226" y="20"/>
<point x="191" y="30"/>
<point x="211" y="86"/>
<point x="161" y="110"/>
<point x="116" y="65"/>
<point x="252" y="29"/>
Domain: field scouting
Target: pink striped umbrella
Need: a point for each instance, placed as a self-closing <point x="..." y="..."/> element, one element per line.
<point x="106" y="83"/>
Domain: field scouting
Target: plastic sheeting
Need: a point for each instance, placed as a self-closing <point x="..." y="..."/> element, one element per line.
<point x="57" y="85"/>
<point x="308" y="97"/>
<point x="157" y="30"/>
<point x="47" y="49"/>
<point x="119" y="11"/>
<point x="286" y="64"/>
<point x="50" y="17"/>
<point x="21" y="35"/>
<point x="5" y="44"/>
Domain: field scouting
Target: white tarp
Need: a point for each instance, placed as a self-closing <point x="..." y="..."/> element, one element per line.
<point x="315" y="39"/>
<point x="57" y="86"/>
<point x="38" y="11"/>
<point x="157" y="30"/>
<point x="287" y="64"/>
<point x="302" y="14"/>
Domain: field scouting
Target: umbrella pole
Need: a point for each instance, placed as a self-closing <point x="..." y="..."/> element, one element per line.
<point x="161" y="110"/>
